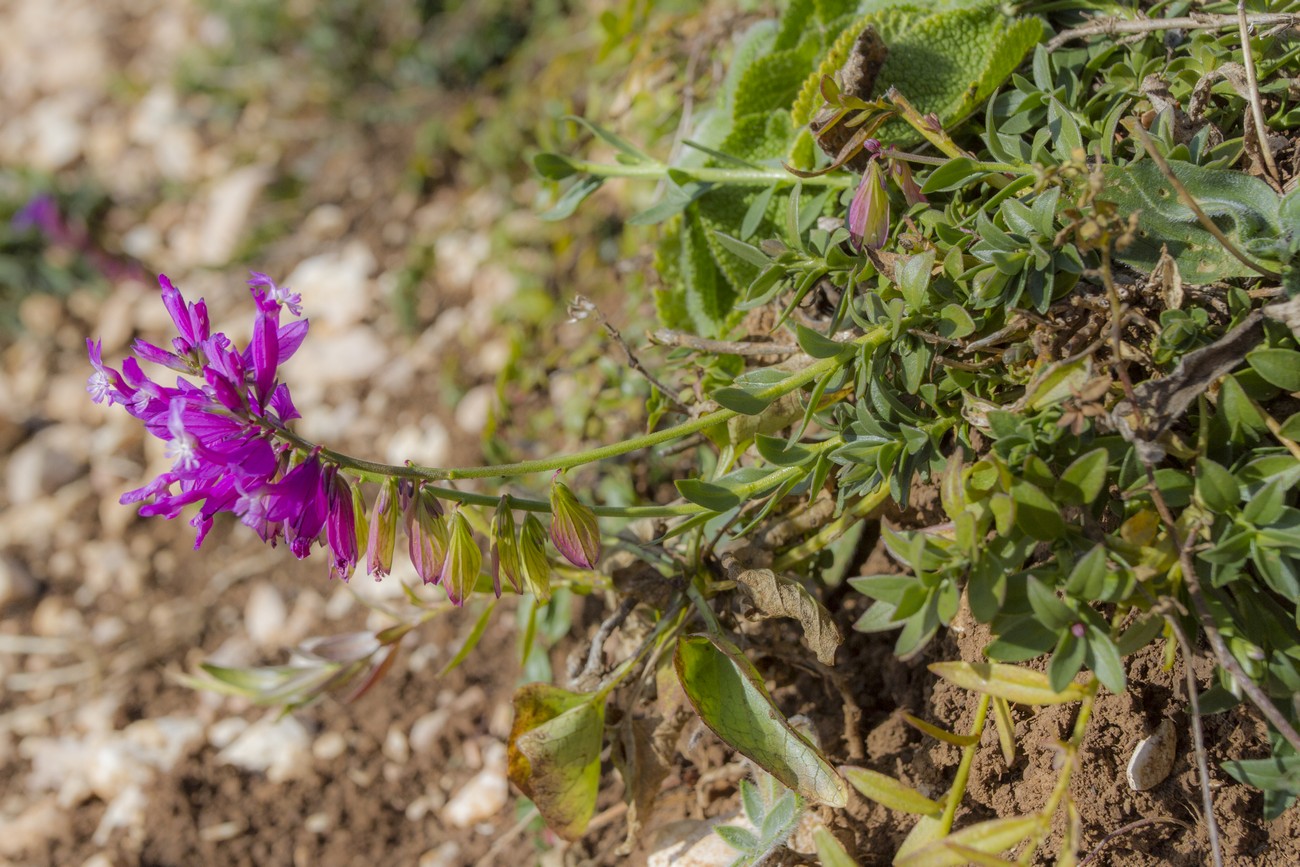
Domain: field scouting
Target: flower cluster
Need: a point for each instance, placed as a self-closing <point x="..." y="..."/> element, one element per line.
<point x="224" y="423"/>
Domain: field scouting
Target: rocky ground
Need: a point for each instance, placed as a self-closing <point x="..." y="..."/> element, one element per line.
<point x="106" y="757"/>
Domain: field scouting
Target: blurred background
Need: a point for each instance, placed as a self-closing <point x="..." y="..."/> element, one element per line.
<point x="373" y="155"/>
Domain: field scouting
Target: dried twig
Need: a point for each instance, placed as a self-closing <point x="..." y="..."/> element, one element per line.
<point x="595" y="651"/>
<point x="669" y="337"/>
<point x="1112" y="26"/>
<point x="1198" y="734"/>
<point x="582" y="307"/>
<point x="1130" y="828"/>
<point x="1252" y="83"/>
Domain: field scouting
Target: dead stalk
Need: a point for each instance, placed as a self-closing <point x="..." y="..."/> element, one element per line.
<point x="1257" y="112"/>
<point x="1113" y="26"/>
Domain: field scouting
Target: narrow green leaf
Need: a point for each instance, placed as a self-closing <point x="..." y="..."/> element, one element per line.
<point x="618" y="142"/>
<point x="1280" y="367"/>
<point x="1066" y="661"/>
<point x="747" y="252"/>
<point x="830" y="851"/>
<point x="940" y="734"/>
<point x="955" y="173"/>
<point x="756" y="213"/>
<point x="730" y="697"/>
<point x="1215" y="486"/>
<point x="884" y="789"/>
<point x="471" y="641"/>
<point x="738" y="838"/>
<point x="571" y="198"/>
<point x="819" y="345"/>
<point x="554" y="167"/>
<point x="1084" y="478"/>
<point x="996" y="835"/>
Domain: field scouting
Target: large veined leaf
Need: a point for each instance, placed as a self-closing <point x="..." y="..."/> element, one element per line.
<point x="728" y="694"/>
<point x="1244" y="208"/>
<point x="554" y="753"/>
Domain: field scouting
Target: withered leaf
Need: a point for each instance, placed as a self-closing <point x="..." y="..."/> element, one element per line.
<point x="777" y="596"/>
<point x="633" y="753"/>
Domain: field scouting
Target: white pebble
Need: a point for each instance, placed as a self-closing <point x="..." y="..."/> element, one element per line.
<point x="1153" y="758"/>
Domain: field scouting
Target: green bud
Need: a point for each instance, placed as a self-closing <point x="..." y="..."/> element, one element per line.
<point x="461" y="566"/>
<point x="383" y="530"/>
<point x="505" y="548"/>
<point x="532" y="559"/>
<point x="573" y="528"/>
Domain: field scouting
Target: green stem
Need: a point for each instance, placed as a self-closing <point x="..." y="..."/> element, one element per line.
<point x="712" y="174"/>
<point x="832" y="531"/>
<point x="963" y="770"/>
<point x="372" y="469"/>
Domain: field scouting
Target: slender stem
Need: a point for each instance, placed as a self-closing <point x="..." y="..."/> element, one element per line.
<point x="963" y="769"/>
<point x="792" y="383"/>
<point x="712" y="174"/>
<point x="832" y="531"/>
<point x="937" y="136"/>
<point x="1256" y="112"/>
<point x="1111" y="26"/>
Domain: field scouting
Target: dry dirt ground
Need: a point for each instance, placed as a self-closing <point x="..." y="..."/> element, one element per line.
<point x="105" y="759"/>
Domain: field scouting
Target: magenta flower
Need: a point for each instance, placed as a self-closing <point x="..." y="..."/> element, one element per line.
<point x="219" y="423"/>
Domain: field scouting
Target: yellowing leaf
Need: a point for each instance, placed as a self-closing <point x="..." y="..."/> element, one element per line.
<point x="554" y="754"/>
<point x="1006" y="681"/>
<point x="987" y="838"/>
<point x="889" y="792"/>
<point x="728" y="694"/>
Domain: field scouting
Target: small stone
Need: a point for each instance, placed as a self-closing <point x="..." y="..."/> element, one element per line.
<point x="396" y="747"/>
<point x="31" y="829"/>
<point x="474" y="408"/>
<point x="1153" y="758"/>
<point x="485" y="795"/>
<point x="317" y="823"/>
<point x="16" y="583"/>
<point x="446" y="855"/>
<point x="329" y="746"/>
<point x="426" y="730"/>
<point x="223" y="732"/>
<point x="221" y="831"/>
<point x="265" y="616"/>
<point x="126" y="810"/>
<point x="54" y="457"/>
<point x="41" y="314"/>
<point x="53" y="618"/>
<point x="279" y="748"/>
<point x="99" y="859"/>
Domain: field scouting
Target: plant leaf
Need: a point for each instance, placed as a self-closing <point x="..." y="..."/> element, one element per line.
<point x="884" y="789"/>
<point x="554" y="754"/>
<point x="778" y="596"/>
<point x="727" y="692"/>
<point x="1007" y="681"/>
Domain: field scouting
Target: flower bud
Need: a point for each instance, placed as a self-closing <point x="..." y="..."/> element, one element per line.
<point x="383" y="530"/>
<point x="869" y="210"/>
<point x="461" y="566"/>
<point x="341" y="527"/>
<point x="535" y="567"/>
<point x="573" y="528"/>
<point x="901" y="174"/>
<point x="426" y="533"/>
<point x="505" y="547"/>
